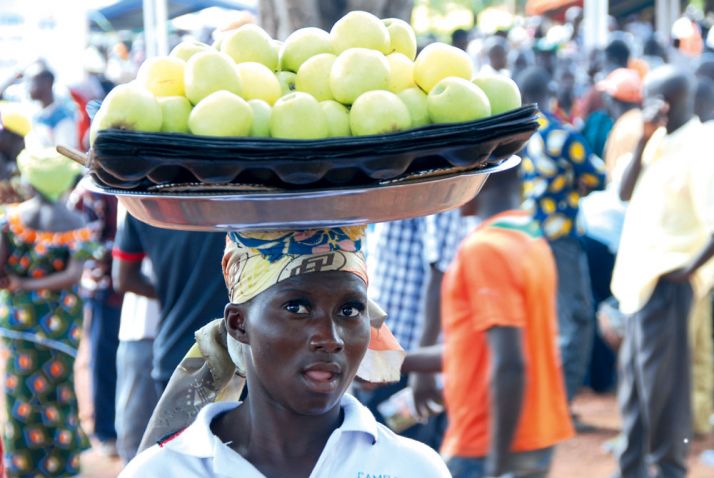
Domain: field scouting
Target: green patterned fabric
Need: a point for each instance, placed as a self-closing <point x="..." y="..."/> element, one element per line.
<point x="41" y="331"/>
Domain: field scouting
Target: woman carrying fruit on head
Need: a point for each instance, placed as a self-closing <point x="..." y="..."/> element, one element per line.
<point x="42" y="249"/>
<point x="299" y="328"/>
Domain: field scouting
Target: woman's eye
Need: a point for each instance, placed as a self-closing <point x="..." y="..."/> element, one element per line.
<point x="296" y="308"/>
<point x="351" y="311"/>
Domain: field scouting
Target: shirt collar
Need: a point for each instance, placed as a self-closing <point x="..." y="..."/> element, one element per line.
<point x="663" y="143"/>
<point x="198" y="440"/>
<point x="682" y="131"/>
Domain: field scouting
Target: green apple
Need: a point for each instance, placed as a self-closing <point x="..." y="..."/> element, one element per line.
<point x="250" y="43"/>
<point x="97" y="125"/>
<point x="163" y="75"/>
<point x="455" y="100"/>
<point x="438" y="61"/>
<point x="402" y="38"/>
<point x="502" y="92"/>
<point x="314" y="76"/>
<point x="130" y="106"/>
<point x="221" y="114"/>
<point x="208" y="72"/>
<point x="260" y="127"/>
<point x="303" y="44"/>
<point x="287" y="82"/>
<point x="415" y="100"/>
<point x="356" y="71"/>
<point x="338" y="118"/>
<point x="379" y="112"/>
<point x="359" y="29"/>
<point x="186" y="49"/>
<point x="175" y="111"/>
<point x="298" y="116"/>
<point x="401" y="72"/>
<point x="258" y="82"/>
<point x="278" y="47"/>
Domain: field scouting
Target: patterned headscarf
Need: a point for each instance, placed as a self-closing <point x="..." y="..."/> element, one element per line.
<point x="214" y="369"/>
<point x="255" y="261"/>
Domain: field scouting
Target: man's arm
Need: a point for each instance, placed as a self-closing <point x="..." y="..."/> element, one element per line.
<point x="57" y="281"/>
<point x="426" y="360"/>
<point x="654" y="116"/>
<point x="685" y="274"/>
<point x="507" y="386"/>
<point x="632" y="172"/>
<point x="127" y="277"/>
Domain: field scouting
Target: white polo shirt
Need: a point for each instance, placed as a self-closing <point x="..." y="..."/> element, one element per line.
<point x="359" y="448"/>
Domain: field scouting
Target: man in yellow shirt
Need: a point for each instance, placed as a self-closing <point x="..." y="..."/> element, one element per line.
<point x="663" y="264"/>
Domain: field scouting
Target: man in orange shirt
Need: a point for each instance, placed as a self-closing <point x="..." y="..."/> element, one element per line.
<point x="504" y="389"/>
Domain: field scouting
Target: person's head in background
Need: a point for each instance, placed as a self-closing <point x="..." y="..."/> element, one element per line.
<point x="704" y="99"/>
<point x="14" y="126"/>
<point x="574" y="17"/>
<point x="519" y="60"/>
<point x="623" y="91"/>
<point x="460" y="39"/>
<point x="501" y="192"/>
<point x="496" y="48"/>
<point x="653" y="49"/>
<point x="41" y="85"/>
<point x="534" y="83"/>
<point x="674" y="87"/>
<point x="565" y="78"/>
<point x="617" y="55"/>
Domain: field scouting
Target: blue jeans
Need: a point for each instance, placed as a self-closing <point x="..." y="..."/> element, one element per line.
<point x="103" y="340"/>
<point x="528" y="464"/>
<point x="136" y="394"/>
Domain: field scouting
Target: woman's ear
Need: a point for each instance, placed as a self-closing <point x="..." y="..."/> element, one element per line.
<point x="234" y="316"/>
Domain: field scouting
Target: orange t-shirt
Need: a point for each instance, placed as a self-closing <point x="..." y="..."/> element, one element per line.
<point x="503" y="275"/>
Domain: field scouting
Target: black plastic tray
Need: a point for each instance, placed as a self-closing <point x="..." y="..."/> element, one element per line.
<point x="133" y="160"/>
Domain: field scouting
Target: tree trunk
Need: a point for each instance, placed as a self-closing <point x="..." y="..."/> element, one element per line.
<point x="281" y="17"/>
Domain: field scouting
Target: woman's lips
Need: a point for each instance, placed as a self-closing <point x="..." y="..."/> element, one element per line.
<point x="319" y="375"/>
<point x="322" y="377"/>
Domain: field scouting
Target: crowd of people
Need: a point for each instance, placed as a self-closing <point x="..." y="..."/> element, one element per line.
<point x="589" y="265"/>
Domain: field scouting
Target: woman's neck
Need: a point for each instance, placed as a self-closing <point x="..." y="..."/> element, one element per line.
<point x="276" y="440"/>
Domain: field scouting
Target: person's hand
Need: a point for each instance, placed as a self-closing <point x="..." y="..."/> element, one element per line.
<point x="11" y="283"/>
<point x="654" y="116"/>
<point x="678" y="276"/>
<point x="428" y="399"/>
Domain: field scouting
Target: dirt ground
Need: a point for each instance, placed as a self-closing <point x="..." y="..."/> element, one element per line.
<point x="582" y="457"/>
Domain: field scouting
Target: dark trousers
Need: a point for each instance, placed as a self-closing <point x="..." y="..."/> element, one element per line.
<point x="104" y="341"/>
<point x="575" y="311"/>
<point x="655" y="385"/>
<point x="431" y="433"/>
<point x="602" y="374"/>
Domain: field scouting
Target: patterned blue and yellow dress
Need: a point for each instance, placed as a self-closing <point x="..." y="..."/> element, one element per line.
<point x="40" y="331"/>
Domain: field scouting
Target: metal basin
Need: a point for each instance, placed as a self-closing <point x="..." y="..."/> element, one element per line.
<point x="305" y="209"/>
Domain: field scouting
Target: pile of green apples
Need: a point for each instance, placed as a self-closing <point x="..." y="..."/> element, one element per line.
<point x="362" y="78"/>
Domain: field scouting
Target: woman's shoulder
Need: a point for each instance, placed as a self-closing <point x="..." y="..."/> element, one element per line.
<point x="413" y="454"/>
<point x="391" y="454"/>
<point x="186" y="453"/>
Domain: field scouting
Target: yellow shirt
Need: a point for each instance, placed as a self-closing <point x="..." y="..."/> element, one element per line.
<point x="670" y="217"/>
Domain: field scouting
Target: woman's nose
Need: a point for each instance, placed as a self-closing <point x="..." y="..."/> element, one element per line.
<point x="326" y="336"/>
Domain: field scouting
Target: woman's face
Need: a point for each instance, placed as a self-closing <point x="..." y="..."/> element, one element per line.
<point x="307" y="337"/>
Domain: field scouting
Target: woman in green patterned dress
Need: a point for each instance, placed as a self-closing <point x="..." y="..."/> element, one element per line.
<point x="42" y="248"/>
